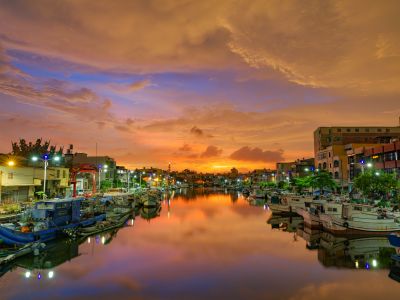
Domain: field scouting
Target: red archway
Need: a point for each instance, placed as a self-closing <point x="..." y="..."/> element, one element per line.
<point x="84" y="168"/>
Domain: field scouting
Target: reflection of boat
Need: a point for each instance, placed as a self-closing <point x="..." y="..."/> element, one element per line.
<point x="288" y="224"/>
<point x="395" y="268"/>
<point x="55" y="254"/>
<point x="149" y="213"/>
<point x="310" y="235"/>
<point x="366" y="252"/>
<point x="48" y="219"/>
<point x="256" y="201"/>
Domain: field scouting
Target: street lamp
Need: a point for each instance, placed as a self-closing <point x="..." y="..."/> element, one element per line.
<point x="369" y="165"/>
<point x="45" y="158"/>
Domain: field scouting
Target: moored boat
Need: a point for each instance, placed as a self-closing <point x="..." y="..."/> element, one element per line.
<point x="46" y="221"/>
<point x="361" y="219"/>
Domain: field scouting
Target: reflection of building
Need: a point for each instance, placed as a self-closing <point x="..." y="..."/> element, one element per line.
<point x="332" y="143"/>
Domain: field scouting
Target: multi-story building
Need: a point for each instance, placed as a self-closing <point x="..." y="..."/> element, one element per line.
<point x="299" y="168"/>
<point x="382" y="157"/>
<point x="17" y="184"/>
<point x="332" y="144"/>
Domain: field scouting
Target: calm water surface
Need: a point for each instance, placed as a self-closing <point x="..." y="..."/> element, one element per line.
<point x="206" y="245"/>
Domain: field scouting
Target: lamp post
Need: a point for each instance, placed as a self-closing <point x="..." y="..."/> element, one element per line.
<point x="140" y="180"/>
<point x="45" y="158"/>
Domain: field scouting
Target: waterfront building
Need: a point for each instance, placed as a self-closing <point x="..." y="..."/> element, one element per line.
<point x="331" y="145"/>
<point x="298" y="168"/>
<point x="382" y="157"/>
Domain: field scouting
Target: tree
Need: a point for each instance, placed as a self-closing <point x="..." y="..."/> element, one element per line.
<point x="267" y="184"/>
<point x="40" y="147"/>
<point x="301" y="183"/>
<point x="322" y="180"/>
<point x="376" y="184"/>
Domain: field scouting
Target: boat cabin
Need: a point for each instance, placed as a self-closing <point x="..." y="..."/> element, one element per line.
<point x="58" y="212"/>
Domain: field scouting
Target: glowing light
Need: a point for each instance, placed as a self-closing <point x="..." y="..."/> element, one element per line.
<point x="369" y="165"/>
<point x="377" y="173"/>
<point x="105" y="166"/>
<point x="56" y="158"/>
<point x="39" y="276"/>
<point x="132" y="222"/>
<point x="103" y="240"/>
<point x="35" y="158"/>
<point x="51" y="274"/>
<point x="367" y="266"/>
<point x="11" y="163"/>
<point x="88" y="240"/>
<point x="27" y="274"/>
<point x="306" y="169"/>
<point x="357" y="264"/>
<point x="374" y="263"/>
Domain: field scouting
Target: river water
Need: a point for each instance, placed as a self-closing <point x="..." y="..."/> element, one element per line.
<point x="206" y="245"/>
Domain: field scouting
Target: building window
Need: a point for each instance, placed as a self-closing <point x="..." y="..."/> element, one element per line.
<point x="387" y="130"/>
<point x="64" y="174"/>
<point x="10" y="175"/>
<point x="357" y="130"/>
<point x="319" y="166"/>
<point x="379" y="130"/>
<point x="324" y="165"/>
<point x="336" y="175"/>
<point x="339" y="130"/>
<point x="330" y="166"/>
<point x="329" y="154"/>
<point x="336" y="163"/>
<point x="348" y="129"/>
<point x="58" y="173"/>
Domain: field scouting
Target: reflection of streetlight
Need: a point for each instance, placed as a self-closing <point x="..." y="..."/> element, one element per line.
<point x="377" y="173"/>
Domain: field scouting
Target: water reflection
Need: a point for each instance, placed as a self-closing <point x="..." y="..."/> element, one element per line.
<point x="205" y="245"/>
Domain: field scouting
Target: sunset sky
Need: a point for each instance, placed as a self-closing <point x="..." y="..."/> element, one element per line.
<point x="205" y="85"/>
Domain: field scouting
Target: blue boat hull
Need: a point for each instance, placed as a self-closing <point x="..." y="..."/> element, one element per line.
<point x="13" y="237"/>
<point x="394" y="240"/>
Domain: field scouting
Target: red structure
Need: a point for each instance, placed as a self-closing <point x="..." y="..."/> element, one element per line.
<point x="84" y="168"/>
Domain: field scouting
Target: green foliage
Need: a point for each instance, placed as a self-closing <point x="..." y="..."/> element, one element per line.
<point x="373" y="185"/>
<point x="322" y="180"/>
<point x="105" y="185"/>
<point x="40" y="147"/>
<point x="283" y="185"/>
<point x="267" y="184"/>
<point x="302" y="183"/>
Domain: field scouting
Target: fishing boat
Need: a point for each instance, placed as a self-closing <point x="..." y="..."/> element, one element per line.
<point x="311" y="214"/>
<point x="361" y="219"/>
<point x="288" y="203"/>
<point x="47" y="220"/>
